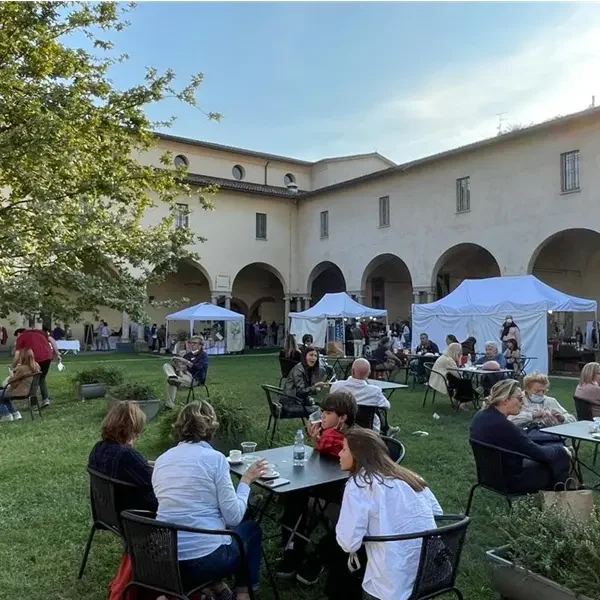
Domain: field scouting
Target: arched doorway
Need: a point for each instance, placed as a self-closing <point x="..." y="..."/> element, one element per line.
<point x="259" y="289"/>
<point x="387" y="284"/>
<point x="187" y="286"/>
<point x="325" y="278"/>
<point x="569" y="261"/>
<point x="463" y="261"/>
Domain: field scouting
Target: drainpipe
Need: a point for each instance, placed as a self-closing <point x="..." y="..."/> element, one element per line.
<point x="266" y="166"/>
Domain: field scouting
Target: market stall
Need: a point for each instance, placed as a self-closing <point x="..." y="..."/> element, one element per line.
<point x="232" y="337"/>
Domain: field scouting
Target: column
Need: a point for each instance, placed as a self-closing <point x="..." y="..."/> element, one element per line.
<point x="298" y="303"/>
<point x="430" y="296"/>
<point x="286" y="300"/>
<point x="416" y="297"/>
<point x="306" y="302"/>
<point x="358" y="295"/>
<point x="124" y="327"/>
<point x="214" y="298"/>
<point x="228" y="301"/>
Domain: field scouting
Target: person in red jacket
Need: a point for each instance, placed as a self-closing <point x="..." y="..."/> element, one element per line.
<point x="337" y="416"/>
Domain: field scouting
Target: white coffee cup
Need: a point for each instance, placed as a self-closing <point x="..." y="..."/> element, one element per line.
<point x="235" y="455"/>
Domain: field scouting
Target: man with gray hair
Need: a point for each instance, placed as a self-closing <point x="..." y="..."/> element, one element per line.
<point x="365" y="393"/>
<point x="186" y="370"/>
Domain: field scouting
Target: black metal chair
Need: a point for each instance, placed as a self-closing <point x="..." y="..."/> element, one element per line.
<point x="429" y="370"/>
<point x="282" y="407"/>
<point x="441" y="549"/>
<point x="105" y="496"/>
<point x="32" y="395"/>
<point x="285" y="366"/>
<point x="490" y="463"/>
<point x="152" y="546"/>
<point x="191" y="396"/>
<point x="395" y="448"/>
<point x="583" y="410"/>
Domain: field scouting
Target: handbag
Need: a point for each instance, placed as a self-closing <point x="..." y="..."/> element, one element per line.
<point x="578" y="503"/>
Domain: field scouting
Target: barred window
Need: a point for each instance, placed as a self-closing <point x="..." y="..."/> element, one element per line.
<point x="182" y="216"/>
<point x="384" y="211"/>
<point x="261" y="226"/>
<point x="569" y="171"/>
<point x="324" y="224"/>
<point x="463" y="194"/>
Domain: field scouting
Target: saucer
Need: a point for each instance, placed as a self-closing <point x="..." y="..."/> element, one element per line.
<point x="271" y="475"/>
<point x="234" y="462"/>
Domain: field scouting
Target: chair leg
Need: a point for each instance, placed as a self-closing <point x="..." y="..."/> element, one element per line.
<point x="509" y="503"/>
<point x="87" y="551"/>
<point x="433" y="398"/>
<point x="425" y="397"/>
<point x="270" y="574"/>
<point x="207" y="392"/>
<point x="595" y="454"/>
<point x="275" y="421"/>
<point x="458" y="593"/>
<point x="470" y="500"/>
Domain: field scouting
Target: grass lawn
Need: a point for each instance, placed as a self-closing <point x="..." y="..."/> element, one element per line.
<point x="44" y="507"/>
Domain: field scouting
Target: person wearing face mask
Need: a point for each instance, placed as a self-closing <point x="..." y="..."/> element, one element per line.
<point x="509" y="331"/>
<point x="538" y="410"/>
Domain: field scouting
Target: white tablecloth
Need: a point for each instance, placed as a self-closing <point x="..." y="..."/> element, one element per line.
<point x="72" y="345"/>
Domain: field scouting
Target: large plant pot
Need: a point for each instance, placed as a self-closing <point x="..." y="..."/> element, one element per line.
<point x="92" y="390"/>
<point x="515" y="583"/>
<point x="150" y="408"/>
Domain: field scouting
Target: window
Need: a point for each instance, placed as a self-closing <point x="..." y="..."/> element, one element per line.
<point x="261" y="226"/>
<point x="181" y="161"/>
<point x="182" y="216"/>
<point x="238" y="172"/>
<point x="569" y="171"/>
<point x="324" y="224"/>
<point x="384" y="211"/>
<point x="463" y="194"/>
<point x="289" y="178"/>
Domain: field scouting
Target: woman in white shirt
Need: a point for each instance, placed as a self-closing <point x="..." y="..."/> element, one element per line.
<point x="383" y="498"/>
<point x="193" y="487"/>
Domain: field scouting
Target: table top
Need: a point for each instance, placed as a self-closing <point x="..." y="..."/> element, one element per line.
<point x="478" y="371"/>
<point x="578" y="430"/>
<point x="317" y="470"/>
<point x="387" y="385"/>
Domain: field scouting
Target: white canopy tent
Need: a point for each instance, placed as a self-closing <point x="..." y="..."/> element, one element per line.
<point x="478" y="307"/>
<point x="330" y="306"/>
<point x="208" y="312"/>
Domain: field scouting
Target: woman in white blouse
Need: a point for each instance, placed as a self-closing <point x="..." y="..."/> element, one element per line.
<point x="193" y="487"/>
<point x="383" y="498"/>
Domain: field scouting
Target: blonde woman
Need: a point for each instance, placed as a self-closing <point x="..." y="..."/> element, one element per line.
<point x="445" y="366"/>
<point x="589" y="387"/>
<point x="193" y="487"/>
<point x="17" y="384"/>
<point x="491" y="425"/>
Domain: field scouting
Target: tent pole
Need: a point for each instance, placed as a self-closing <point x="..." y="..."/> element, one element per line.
<point x="344" y="335"/>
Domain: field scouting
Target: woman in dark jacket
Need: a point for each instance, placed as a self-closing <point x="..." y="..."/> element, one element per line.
<point x="546" y="465"/>
<point x="302" y="381"/>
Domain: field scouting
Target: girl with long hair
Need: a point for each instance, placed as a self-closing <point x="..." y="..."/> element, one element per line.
<point x="302" y="380"/>
<point x="509" y="331"/>
<point x="17" y="385"/>
<point x="290" y="349"/>
<point x="383" y="498"/>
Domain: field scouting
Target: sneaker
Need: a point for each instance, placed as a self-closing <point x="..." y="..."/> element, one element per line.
<point x="392" y="431"/>
<point x="16" y="416"/>
<point x="6" y="418"/>
<point x="286" y="566"/>
<point x="45" y="402"/>
<point x="310" y="571"/>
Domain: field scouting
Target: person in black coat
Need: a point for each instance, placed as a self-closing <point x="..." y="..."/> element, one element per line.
<point x="491" y="426"/>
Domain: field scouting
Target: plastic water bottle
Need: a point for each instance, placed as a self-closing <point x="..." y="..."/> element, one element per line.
<point x="299" y="450"/>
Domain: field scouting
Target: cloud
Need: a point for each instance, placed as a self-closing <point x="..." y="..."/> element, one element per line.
<point x="555" y="72"/>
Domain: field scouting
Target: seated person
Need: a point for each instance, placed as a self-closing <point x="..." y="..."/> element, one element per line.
<point x="491" y="426"/>
<point x="194" y="488"/>
<point x="513" y="357"/>
<point x="307" y="341"/>
<point x="380" y="498"/>
<point x="426" y="346"/>
<point x="492" y="353"/>
<point x="339" y="413"/>
<point x="445" y="366"/>
<point x="115" y="456"/>
<point x="302" y="382"/>
<point x="17" y="385"/>
<point x="383" y="356"/>
<point x="588" y="389"/>
<point x="451" y="339"/>
<point x="184" y="371"/>
<point x="468" y="347"/>
<point x="363" y="392"/>
<point x="290" y="349"/>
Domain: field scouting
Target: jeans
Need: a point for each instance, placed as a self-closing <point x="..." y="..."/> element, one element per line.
<point x="45" y="367"/>
<point x="226" y="559"/>
<point x="6" y="406"/>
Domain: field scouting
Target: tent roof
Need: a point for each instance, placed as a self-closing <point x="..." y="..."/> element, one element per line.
<point x="205" y="311"/>
<point x="518" y="294"/>
<point x="338" y="305"/>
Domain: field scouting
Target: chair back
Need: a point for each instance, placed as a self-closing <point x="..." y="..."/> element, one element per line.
<point x="395" y="448"/>
<point x="33" y="385"/>
<point x="429" y="370"/>
<point x="583" y="409"/>
<point x="276" y="397"/>
<point x="365" y="415"/>
<point x="152" y="547"/>
<point x="105" y="496"/>
<point x="286" y="365"/>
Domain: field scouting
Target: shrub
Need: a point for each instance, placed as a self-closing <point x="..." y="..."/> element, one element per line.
<point x="110" y="376"/>
<point x="554" y="544"/>
<point x="134" y="391"/>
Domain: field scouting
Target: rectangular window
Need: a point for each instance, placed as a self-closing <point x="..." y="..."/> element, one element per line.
<point x="261" y="226"/>
<point x="324" y="224"/>
<point x="463" y="194"/>
<point x="569" y="171"/>
<point x="384" y="211"/>
<point x="182" y="216"/>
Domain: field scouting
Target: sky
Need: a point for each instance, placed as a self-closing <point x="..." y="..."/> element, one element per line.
<point x="314" y="80"/>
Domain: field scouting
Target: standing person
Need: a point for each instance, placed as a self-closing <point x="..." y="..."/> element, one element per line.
<point x="405" y="338"/>
<point x="250" y="335"/>
<point x="161" y="335"/>
<point x="364" y="327"/>
<point x="358" y="339"/>
<point x="509" y="331"/>
<point x="99" y="336"/>
<point x="58" y="333"/>
<point x="16" y="386"/>
<point x="43" y="350"/>
<point x="274" y="333"/>
<point x="105" y="334"/>
<point x="154" y="336"/>
<point x="579" y="336"/>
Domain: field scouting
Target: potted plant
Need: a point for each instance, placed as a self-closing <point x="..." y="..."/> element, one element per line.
<point x="141" y="393"/>
<point x="549" y="554"/>
<point x="93" y="383"/>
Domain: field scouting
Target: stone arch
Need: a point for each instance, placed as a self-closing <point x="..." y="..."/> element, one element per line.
<point x="387" y="283"/>
<point x="253" y="311"/>
<point x="325" y="278"/>
<point x="266" y="267"/>
<point x="462" y="261"/>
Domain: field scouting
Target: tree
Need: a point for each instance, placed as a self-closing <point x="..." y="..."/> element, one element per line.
<point x="73" y="193"/>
